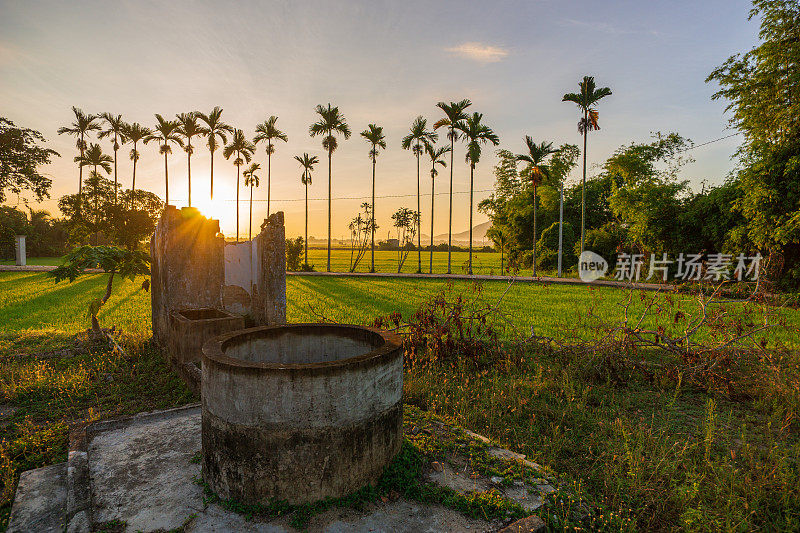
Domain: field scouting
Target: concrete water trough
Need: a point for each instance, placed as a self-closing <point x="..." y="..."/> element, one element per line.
<point x="299" y="412"/>
<point x="191" y="328"/>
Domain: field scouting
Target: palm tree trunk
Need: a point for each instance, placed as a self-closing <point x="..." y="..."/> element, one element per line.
<point x="471" y="173"/>
<point x="189" y="160"/>
<point x="116" y="186"/>
<point x="560" y="227"/>
<point x="419" y="221"/>
<point x="372" y="222"/>
<point x="583" y="188"/>
<point x="269" y="165"/>
<point x="329" y="210"/>
<point x="237" y="199"/>
<point x="534" y="230"/>
<point x="450" y="224"/>
<point x="212" y="174"/>
<point x="306" y="233"/>
<point x="250" y="231"/>
<point x="430" y="267"/>
<point x="166" y="180"/>
<point x="80" y="179"/>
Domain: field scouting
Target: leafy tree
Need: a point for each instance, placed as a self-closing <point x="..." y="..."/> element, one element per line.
<point x="307" y="163"/>
<point x="294" y="247"/>
<point x="110" y="259"/>
<point x="589" y="96"/>
<point x="762" y="87"/>
<point x="20" y="159"/>
<point x="454" y="112"/>
<point x="215" y="131"/>
<point x="244" y="150"/>
<point x="82" y="126"/>
<point x="136" y="133"/>
<point x="361" y="227"/>
<point x="437" y="158"/>
<point x="376" y="139"/>
<point x="475" y="133"/>
<point x="549" y="245"/>
<point x="268" y="131"/>
<point x="561" y="164"/>
<point x="537" y="172"/>
<point x="189" y="126"/>
<point x="406" y="221"/>
<point x="251" y="180"/>
<point x="165" y="132"/>
<point x="115" y="128"/>
<point x="417" y="139"/>
<point x="330" y="124"/>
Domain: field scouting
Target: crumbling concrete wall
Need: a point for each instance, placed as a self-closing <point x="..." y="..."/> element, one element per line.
<point x="187" y="267"/>
<point x="255" y="275"/>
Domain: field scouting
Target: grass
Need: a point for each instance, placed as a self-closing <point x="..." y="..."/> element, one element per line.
<point x="652" y="448"/>
<point x="48" y="261"/>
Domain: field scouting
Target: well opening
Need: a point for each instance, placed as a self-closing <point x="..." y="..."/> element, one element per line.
<point x="302" y="347"/>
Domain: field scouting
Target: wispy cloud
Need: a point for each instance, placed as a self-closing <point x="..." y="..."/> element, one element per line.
<point x="482" y="53"/>
<point x="605" y="27"/>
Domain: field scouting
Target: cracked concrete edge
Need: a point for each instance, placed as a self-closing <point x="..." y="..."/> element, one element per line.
<point x="151" y="416"/>
<point x="79" y="500"/>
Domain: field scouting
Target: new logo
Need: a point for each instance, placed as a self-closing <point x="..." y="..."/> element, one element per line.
<point x="591" y="266"/>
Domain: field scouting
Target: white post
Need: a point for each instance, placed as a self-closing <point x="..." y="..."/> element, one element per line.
<point x="20" y="249"/>
<point x="560" y="227"/>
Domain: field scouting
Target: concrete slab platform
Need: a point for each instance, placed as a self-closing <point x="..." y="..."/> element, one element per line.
<point x="41" y="501"/>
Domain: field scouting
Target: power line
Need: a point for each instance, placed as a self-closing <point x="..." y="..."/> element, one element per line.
<point x="351" y="197"/>
<point x="708" y="142"/>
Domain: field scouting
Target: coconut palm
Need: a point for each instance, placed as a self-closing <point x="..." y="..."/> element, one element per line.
<point x="375" y="137"/>
<point x="165" y="132"/>
<point x="437" y="158"/>
<point x="330" y="123"/>
<point x="94" y="157"/>
<point x="81" y="127"/>
<point x="307" y="163"/>
<point x="586" y="99"/>
<point x="135" y="133"/>
<point x="188" y="128"/>
<point x="475" y="134"/>
<point x="454" y="113"/>
<point x="244" y="150"/>
<point x="115" y="128"/>
<point x="417" y="138"/>
<point x="214" y="128"/>
<point x="267" y="131"/>
<point x="251" y="180"/>
<point x="537" y="171"/>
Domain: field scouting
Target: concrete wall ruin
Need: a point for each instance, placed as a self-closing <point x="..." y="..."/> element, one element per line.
<point x="192" y="267"/>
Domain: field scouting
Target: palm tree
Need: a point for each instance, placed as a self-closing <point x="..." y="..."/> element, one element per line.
<point x="214" y="128"/>
<point x="375" y="137"/>
<point x="308" y="163"/>
<point x="454" y="113"/>
<point x="587" y="98"/>
<point x="134" y="133"/>
<point x="82" y="125"/>
<point x="475" y="134"/>
<point x="331" y="122"/>
<point x="538" y="172"/>
<point x="251" y="180"/>
<point x="243" y="149"/>
<point x="114" y="127"/>
<point x="436" y="155"/>
<point x="418" y="137"/>
<point x="94" y="157"/>
<point x="166" y="131"/>
<point x="267" y="131"/>
<point x="189" y="127"/>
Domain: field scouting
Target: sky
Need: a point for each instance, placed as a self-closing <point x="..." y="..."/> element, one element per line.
<point x="379" y="62"/>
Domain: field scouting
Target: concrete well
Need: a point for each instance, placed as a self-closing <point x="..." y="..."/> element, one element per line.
<point x="300" y="412"/>
<point x="191" y="328"/>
